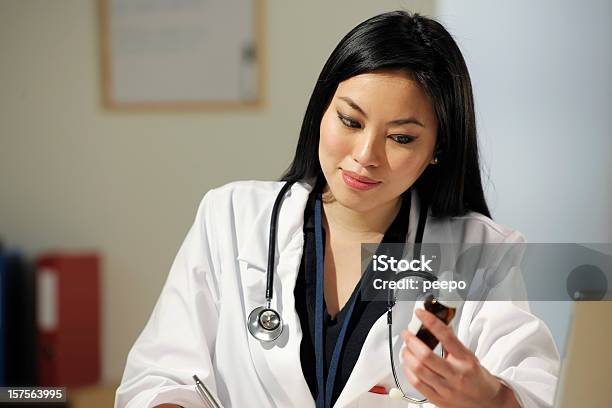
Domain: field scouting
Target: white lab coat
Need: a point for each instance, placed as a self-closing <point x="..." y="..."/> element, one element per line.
<point x="219" y="276"/>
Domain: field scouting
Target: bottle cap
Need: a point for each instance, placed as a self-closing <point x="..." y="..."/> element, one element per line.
<point x="446" y="296"/>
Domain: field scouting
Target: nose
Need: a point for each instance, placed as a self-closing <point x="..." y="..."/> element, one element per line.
<point x="367" y="150"/>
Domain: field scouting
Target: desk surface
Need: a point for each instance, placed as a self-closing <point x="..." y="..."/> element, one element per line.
<point x="96" y="396"/>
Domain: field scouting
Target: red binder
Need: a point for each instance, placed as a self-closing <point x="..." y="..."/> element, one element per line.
<point x="68" y="303"/>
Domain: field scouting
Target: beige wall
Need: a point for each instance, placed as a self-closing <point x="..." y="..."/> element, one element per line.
<point x="73" y="176"/>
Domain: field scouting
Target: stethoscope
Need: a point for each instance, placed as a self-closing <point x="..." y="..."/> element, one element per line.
<point x="265" y="323"/>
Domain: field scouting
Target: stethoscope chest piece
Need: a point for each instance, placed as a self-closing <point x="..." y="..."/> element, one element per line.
<point x="265" y="324"/>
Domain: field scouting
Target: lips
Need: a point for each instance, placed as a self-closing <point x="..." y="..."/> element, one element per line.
<point x="357" y="182"/>
<point x="357" y="177"/>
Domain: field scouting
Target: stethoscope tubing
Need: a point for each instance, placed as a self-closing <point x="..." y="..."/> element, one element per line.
<point x="272" y="240"/>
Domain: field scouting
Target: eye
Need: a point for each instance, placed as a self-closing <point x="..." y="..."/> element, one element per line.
<point x="348" y="122"/>
<point x="402" y="139"/>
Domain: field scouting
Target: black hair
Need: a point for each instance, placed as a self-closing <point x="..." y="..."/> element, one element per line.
<point x="422" y="48"/>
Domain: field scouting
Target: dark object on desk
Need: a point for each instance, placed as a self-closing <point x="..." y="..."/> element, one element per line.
<point x="17" y="320"/>
<point x="2" y="320"/>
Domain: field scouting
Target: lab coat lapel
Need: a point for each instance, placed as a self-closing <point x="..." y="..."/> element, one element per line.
<point x="373" y="364"/>
<point x="278" y="363"/>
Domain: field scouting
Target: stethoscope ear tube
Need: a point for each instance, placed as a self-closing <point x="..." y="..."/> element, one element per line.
<point x="272" y="239"/>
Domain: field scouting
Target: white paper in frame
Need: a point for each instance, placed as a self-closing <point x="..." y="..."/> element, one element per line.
<point x="176" y="55"/>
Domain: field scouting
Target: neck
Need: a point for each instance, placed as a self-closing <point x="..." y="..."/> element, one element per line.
<point x="363" y="223"/>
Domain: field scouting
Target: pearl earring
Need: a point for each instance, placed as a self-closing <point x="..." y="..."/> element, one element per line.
<point x="435" y="160"/>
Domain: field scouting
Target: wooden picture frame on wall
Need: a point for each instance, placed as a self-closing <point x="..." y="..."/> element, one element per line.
<point x="182" y="55"/>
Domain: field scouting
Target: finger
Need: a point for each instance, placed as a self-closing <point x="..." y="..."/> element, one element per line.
<point x="443" y="333"/>
<point x="427" y="391"/>
<point x="425" y="374"/>
<point x="427" y="356"/>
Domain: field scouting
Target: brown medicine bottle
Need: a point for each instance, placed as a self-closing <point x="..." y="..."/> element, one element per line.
<point x="438" y="308"/>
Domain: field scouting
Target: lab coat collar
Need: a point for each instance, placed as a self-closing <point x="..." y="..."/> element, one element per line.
<point x="254" y="248"/>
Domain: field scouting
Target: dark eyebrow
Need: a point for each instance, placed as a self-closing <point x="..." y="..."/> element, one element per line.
<point x="403" y="121"/>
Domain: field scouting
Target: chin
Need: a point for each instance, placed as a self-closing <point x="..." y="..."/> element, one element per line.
<point x="360" y="201"/>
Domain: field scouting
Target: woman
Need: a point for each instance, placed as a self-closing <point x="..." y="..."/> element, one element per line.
<point x="389" y="132"/>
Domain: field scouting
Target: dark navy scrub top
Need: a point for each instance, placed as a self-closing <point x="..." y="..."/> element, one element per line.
<point x="364" y="314"/>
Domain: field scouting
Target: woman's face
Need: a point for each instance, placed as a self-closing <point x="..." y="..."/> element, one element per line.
<point x="377" y="137"/>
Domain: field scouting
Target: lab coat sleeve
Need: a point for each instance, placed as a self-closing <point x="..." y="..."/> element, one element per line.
<point x="517" y="347"/>
<point x="178" y="340"/>
<point x="514" y="345"/>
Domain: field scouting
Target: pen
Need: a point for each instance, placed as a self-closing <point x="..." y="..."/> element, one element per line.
<point x="207" y="396"/>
